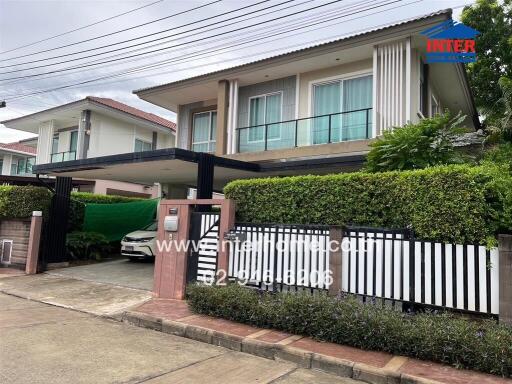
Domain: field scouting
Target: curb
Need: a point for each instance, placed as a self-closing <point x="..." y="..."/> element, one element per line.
<point x="302" y="358"/>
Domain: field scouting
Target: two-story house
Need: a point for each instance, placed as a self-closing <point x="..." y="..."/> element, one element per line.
<point x="94" y="127"/>
<point x="313" y="110"/>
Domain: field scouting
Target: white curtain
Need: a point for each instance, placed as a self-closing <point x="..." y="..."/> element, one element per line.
<point x="327" y="100"/>
<point x="257" y="118"/>
<point x="273" y="115"/>
<point x="357" y="94"/>
<point x="201" y="132"/>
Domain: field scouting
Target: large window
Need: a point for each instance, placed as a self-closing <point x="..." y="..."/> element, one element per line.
<point x="265" y="109"/>
<point x="142" y="146"/>
<point x="55" y="143"/>
<point x="204" y="130"/>
<point x="350" y="96"/>
<point x="73" y="141"/>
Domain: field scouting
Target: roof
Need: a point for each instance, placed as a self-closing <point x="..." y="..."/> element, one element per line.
<point x="18" y="147"/>
<point x="133" y="111"/>
<point x="447" y="12"/>
<point x="109" y="103"/>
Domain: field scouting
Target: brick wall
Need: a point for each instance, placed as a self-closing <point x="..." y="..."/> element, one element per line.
<point x="17" y="230"/>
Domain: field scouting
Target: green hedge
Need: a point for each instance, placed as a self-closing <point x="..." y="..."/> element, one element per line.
<point x="78" y="201"/>
<point x="457" y="203"/>
<point x="20" y="201"/>
<point x="480" y="345"/>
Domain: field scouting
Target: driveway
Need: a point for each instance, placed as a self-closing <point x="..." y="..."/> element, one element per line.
<point x="45" y="344"/>
<point x="123" y="273"/>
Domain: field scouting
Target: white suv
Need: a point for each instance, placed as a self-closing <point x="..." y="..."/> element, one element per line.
<point x="140" y="244"/>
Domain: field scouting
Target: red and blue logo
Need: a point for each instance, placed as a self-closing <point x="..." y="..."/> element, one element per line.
<point x="451" y="42"/>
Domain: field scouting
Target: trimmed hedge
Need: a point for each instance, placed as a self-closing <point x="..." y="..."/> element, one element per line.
<point x="480" y="345"/>
<point x="19" y="201"/>
<point x="456" y="203"/>
<point x="78" y="201"/>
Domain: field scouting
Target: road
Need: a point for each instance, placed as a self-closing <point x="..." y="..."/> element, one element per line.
<point x="41" y="343"/>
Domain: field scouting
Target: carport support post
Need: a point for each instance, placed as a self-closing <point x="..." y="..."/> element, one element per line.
<point x="205" y="171"/>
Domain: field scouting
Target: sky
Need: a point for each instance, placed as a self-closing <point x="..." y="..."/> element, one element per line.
<point x="189" y="46"/>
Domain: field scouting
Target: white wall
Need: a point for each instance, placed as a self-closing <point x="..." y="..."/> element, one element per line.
<point x="6" y="167"/>
<point x="44" y="142"/>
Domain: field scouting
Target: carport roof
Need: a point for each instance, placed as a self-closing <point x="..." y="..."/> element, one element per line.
<point x="180" y="166"/>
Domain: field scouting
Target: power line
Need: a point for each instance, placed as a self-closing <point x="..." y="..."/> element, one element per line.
<point x="182" y="44"/>
<point x="148" y="35"/>
<point x="131" y="70"/>
<point x="81" y="28"/>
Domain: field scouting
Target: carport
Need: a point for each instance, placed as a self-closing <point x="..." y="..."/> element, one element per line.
<point x="177" y="168"/>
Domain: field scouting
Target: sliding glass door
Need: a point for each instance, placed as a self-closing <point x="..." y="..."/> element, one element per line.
<point x="339" y="107"/>
<point x="204" y="130"/>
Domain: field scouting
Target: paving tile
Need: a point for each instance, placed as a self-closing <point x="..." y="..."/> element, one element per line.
<point x="377" y="359"/>
<point x="274" y="336"/>
<point x="165" y="309"/>
<point x="309" y="376"/>
<point x="222" y="325"/>
<point x="447" y="374"/>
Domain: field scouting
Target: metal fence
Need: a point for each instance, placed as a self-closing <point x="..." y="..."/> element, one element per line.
<point x="280" y="257"/>
<point x="393" y="265"/>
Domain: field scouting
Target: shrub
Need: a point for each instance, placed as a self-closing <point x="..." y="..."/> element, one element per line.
<point x="456" y="203"/>
<point x="80" y="199"/>
<point x="20" y="201"/>
<point x="416" y="146"/>
<point x="500" y="154"/>
<point x="87" y="245"/>
<point x="480" y="345"/>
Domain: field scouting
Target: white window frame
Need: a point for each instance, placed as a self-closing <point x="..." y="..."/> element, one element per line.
<point x="434" y="99"/>
<point x="207" y="142"/>
<point x="144" y="142"/>
<point x="265" y="115"/>
<point x="334" y="79"/>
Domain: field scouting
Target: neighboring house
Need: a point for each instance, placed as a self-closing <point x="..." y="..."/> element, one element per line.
<point x="17" y="159"/>
<point x="94" y="127"/>
<point x="327" y="100"/>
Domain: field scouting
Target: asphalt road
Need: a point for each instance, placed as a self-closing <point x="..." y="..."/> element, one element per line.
<point x="41" y="343"/>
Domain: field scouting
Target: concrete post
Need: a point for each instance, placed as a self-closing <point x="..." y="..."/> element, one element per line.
<point x="222" y="118"/>
<point x="505" y="277"/>
<point x="336" y="237"/>
<point x="171" y="262"/>
<point x="33" y="243"/>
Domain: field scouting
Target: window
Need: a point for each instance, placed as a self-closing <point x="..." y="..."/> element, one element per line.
<point x="204" y="130"/>
<point x="55" y="144"/>
<point x="21" y="166"/>
<point x="73" y="141"/>
<point x="14" y="167"/>
<point x="142" y="146"/>
<point x="332" y="98"/>
<point x="424" y="88"/>
<point x="1" y="165"/>
<point x="265" y="109"/>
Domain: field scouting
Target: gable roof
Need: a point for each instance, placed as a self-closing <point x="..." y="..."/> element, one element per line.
<point x="104" y="102"/>
<point x="18" y="147"/>
<point x="444" y="12"/>
<point x="133" y="111"/>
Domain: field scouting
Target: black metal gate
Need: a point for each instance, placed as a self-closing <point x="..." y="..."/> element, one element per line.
<point x="204" y="239"/>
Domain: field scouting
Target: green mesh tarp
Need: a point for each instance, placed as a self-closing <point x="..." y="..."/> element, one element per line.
<point x="116" y="220"/>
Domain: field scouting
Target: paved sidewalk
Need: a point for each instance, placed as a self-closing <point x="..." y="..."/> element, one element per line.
<point x="41" y="344"/>
<point x="173" y="316"/>
<point x="86" y="296"/>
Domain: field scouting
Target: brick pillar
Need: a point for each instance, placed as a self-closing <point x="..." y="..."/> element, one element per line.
<point x="33" y="243"/>
<point x="505" y="273"/>
<point x="222" y="118"/>
<point x="336" y="237"/>
<point x="227" y="221"/>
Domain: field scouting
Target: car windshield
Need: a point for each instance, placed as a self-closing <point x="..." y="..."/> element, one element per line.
<point x="151" y="227"/>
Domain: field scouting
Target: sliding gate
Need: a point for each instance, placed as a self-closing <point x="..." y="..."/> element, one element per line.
<point x="204" y="239"/>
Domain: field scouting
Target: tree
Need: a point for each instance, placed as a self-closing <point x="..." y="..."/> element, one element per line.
<point x="416" y="146"/>
<point x="493" y="19"/>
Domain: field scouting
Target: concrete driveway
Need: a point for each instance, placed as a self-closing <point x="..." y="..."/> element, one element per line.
<point x="40" y="343"/>
<point x="124" y="273"/>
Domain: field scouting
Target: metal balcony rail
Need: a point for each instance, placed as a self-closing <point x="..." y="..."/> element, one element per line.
<point x="63" y="156"/>
<point x="322" y="129"/>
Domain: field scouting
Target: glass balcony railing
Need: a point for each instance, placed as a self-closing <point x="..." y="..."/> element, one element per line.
<point x="324" y="129"/>
<point x="63" y="156"/>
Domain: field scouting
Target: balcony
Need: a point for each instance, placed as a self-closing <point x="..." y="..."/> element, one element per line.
<point x="324" y="129"/>
<point x="63" y="156"/>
